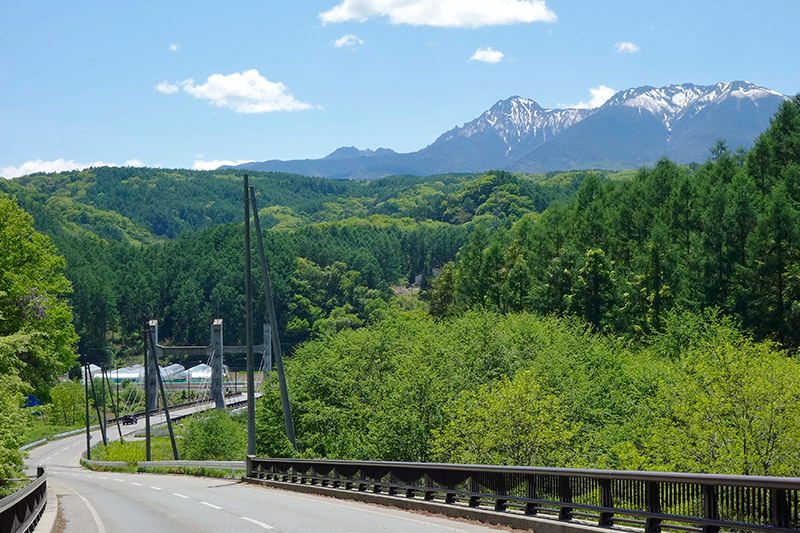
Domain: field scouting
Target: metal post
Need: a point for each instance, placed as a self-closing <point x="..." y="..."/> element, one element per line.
<point x="276" y="345"/>
<point x="710" y="507"/>
<point x="151" y="377"/>
<point x="103" y="398"/>
<point x="248" y="290"/>
<point x="97" y="408"/>
<point x="216" y="364"/>
<point x="86" y="392"/>
<point x="147" y="394"/>
<point x="164" y="400"/>
<point x="652" y="496"/>
<point x="267" y="349"/>
<point x="113" y="405"/>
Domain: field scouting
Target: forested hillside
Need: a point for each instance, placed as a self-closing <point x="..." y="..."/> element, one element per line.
<point x="150" y="243"/>
<point x="640" y="320"/>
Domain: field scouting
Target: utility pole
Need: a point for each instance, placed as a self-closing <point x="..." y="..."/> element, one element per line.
<point x="248" y="296"/>
<point x="113" y="405"/>
<point x="146" y="339"/>
<point x="154" y="355"/>
<point x="86" y="395"/>
<point x="97" y="408"/>
<point x="276" y="344"/>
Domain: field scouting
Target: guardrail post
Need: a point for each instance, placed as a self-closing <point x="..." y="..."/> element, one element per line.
<point x="653" y="503"/>
<point x="530" y="492"/>
<point x="565" y="495"/>
<point x="474" y="487"/>
<point x="607" y="501"/>
<point x="710" y="507"/>
<point x="779" y="509"/>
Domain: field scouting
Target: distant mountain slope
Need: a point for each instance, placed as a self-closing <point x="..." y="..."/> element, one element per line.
<point x="635" y="127"/>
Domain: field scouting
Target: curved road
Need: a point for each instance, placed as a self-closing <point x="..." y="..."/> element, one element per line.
<point x="118" y="502"/>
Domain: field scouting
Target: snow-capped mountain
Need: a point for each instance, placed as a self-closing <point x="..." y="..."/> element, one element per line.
<point x="518" y="122"/>
<point x="634" y="127"/>
<point x="675" y="102"/>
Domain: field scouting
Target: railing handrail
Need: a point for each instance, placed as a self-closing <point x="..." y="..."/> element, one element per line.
<point x="707" y="502"/>
<point x="642" y="475"/>
<point x="17" y="512"/>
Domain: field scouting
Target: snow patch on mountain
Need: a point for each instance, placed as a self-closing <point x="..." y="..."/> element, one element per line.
<point x="673" y="102"/>
<point x="517" y="119"/>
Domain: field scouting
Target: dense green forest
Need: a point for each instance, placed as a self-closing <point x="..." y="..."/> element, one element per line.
<point x="646" y="319"/>
<point x="151" y="243"/>
<point x="36" y="333"/>
<point x="526" y="389"/>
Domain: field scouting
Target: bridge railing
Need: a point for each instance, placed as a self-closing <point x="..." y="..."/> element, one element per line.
<point x="649" y="500"/>
<point x="20" y="512"/>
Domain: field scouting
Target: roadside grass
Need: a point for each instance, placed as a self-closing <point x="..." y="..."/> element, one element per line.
<point x="39" y="430"/>
<point x="133" y="451"/>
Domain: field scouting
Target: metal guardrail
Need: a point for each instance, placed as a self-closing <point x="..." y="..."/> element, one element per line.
<point x="20" y="512"/>
<point x="55" y="437"/>
<point x="215" y="465"/>
<point x="649" y="500"/>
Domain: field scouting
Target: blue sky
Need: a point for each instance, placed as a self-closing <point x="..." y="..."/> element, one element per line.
<point x="188" y="84"/>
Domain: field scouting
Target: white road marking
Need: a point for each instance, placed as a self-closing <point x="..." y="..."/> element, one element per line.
<point x="155" y="488"/>
<point x="100" y="527"/>
<point x="120" y="480"/>
<point x="211" y="505"/>
<point x="398" y="515"/>
<point x="102" y="477"/>
<point x="48" y="458"/>
<point x="256" y="522"/>
<point x="180" y="495"/>
<point x="65" y="449"/>
<point x="56" y="454"/>
<point x="137" y="484"/>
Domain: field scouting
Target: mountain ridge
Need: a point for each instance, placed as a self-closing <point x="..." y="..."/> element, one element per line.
<point x="634" y="127"/>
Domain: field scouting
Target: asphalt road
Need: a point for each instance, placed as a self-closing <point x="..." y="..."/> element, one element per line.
<point x="151" y="503"/>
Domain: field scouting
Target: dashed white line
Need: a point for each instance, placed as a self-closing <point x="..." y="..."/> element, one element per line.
<point x="211" y="505"/>
<point x="396" y="515"/>
<point x="102" y="477"/>
<point x="137" y="484"/>
<point x="65" y="449"/>
<point x="180" y="495"/>
<point x="120" y="480"/>
<point x="155" y="488"/>
<point x="256" y="522"/>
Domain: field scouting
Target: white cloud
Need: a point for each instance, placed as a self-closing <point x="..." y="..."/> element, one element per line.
<point x="214" y="164"/>
<point x="173" y="47"/>
<point x="487" y="55"/>
<point x="599" y="94"/>
<point x="58" y="165"/>
<point x="627" y="47"/>
<point x="442" y="13"/>
<point x="349" y="40"/>
<point x="244" y="92"/>
<point x="166" y="88"/>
